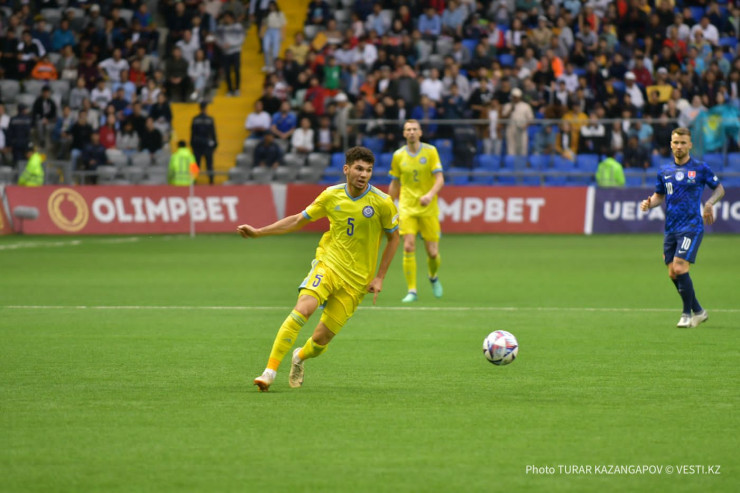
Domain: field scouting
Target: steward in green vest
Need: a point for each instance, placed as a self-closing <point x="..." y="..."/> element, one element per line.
<point x="183" y="169"/>
<point x="610" y="172"/>
<point x="33" y="175"/>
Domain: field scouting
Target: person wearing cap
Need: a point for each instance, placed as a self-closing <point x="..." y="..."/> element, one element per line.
<point x="33" y="174"/>
<point x="203" y="139"/>
<point x="519" y="114"/>
<point x="631" y="88"/>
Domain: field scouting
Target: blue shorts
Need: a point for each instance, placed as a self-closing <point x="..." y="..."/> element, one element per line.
<point x="681" y="245"/>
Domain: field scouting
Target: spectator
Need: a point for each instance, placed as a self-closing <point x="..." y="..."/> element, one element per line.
<point x="283" y="122"/>
<point x="258" y="122"/>
<point x="519" y="114"/>
<point x="89" y="71"/>
<point x="151" y="138"/>
<point x="67" y="66"/>
<point x="101" y="96"/>
<point x="203" y="139"/>
<point x="43" y="115"/>
<point x="425" y="113"/>
<point x="610" y="173"/>
<point x="125" y="84"/>
<point x="302" y="140"/>
<point x="110" y="68"/>
<point x="127" y="140"/>
<point x="176" y="74"/>
<point x="564" y="145"/>
<point x="231" y="37"/>
<point x="593" y="136"/>
<point x="149" y="93"/>
<point x="324" y="135"/>
<point x="662" y="131"/>
<point x="432" y="87"/>
<point x="633" y="90"/>
<point x="377" y="21"/>
<point x="268" y="153"/>
<point x="108" y="132"/>
<point x="635" y="155"/>
<point x="199" y="72"/>
<point x="162" y="114"/>
<point x="492" y="141"/>
<point x="318" y="14"/>
<point x="544" y="141"/>
<point x="62" y="36"/>
<point x="272" y="32"/>
<point x="30" y="50"/>
<point x="188" y="45"/>
<point x="453" y="19"/>
<point x="79" y="135"/>
<point x="44" y="69"/>
<point x="430" y="25"/>
<point x="91" y="157"/>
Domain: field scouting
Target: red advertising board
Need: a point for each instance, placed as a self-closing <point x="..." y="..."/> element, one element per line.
<point x="486" y="209"/>
<point x="512" y="209"/>
<point x="143" y="209"/>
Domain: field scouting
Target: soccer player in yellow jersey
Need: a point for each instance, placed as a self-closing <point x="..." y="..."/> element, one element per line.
<point x="417" y="178"/>
<point x="344" y="269"/>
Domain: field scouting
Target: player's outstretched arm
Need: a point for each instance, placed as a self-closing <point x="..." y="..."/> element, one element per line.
<point x="716" y="196"/>
<point x="376" y="285"/>
<point x="285" y="225"/>
<point x="653" y="201"/>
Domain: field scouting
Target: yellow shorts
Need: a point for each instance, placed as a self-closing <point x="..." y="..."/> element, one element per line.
<point x="428" y="226"/>
<point x="340" y="301"/>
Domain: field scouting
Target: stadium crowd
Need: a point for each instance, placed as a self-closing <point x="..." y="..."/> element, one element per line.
<point x="91" y="83"/>
<point x="607" y="76"/>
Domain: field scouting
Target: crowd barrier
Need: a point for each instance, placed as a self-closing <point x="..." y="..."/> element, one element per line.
<point x="105" y="210"/>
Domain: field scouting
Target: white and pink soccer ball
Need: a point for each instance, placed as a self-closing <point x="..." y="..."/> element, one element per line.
<point x="500" y="347"/>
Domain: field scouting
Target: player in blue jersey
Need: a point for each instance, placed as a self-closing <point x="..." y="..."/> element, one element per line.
<point x="344" y="269"/>
<point x="680" y="185"/>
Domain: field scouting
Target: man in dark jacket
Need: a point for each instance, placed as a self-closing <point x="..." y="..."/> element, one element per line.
<point x="203" y="139"/>
<point x="19" y="133"/>
<point x="44" y="115"/>
<point x="176" y="73"/>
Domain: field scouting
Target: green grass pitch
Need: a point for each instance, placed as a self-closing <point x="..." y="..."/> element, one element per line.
<point x="126" y="364"/>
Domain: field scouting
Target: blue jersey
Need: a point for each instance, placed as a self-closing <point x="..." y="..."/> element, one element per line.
<point x="682" y="187"/>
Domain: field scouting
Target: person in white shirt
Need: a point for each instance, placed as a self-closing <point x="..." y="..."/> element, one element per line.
<point x="258" y="122"/>
<point x="110" y="68"/>
<point x="570" y="78"/>
<point x="101" y="95"/>
<point x="631" y="88"/>
<point x="188" y="45"/>
<point x="273" y="33"/>
<point x="199" y="71"/>
<point x="302" y="139"/>
<point x="432" y="87"/>
<point x="367" y="52"/>
<point x="711" y="34"/>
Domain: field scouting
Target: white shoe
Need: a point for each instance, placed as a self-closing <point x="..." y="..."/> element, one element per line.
<point x="194" y="96"/>
<point x="237" y="93"/>
<point x="265" y="380"/>
<point x="685" y="321"/>
<point x="296" y="370"/>
<point x="698" y="318"/>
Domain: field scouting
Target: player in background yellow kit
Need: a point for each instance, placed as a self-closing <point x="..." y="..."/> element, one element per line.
<point x="417" y="179"/>
<point x="344" y="269"/>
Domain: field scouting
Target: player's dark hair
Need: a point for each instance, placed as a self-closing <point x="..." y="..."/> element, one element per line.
<point x="681" y="131"/>
<point x="359" y="153"/>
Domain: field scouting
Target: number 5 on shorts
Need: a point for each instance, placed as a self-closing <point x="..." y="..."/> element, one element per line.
<point x="317" y="280"/>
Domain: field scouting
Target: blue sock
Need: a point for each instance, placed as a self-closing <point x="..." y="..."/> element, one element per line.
<point x="695" y="306"/>
<point x="686" y="290"/>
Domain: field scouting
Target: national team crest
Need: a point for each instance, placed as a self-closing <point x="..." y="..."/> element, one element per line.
<point x="423" y="160"/>
<point x="692" y="175"/>
<point x="679" y="175"/>
<point x="368" y="211"/>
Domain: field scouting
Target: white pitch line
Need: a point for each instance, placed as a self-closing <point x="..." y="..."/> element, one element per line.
<point x="378" y="308"/>
<point x="49" y="244"/>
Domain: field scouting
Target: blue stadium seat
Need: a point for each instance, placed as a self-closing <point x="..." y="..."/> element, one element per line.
<point x="539" y="161"/>
<point x="459" y="176"/>
<point x="587" y="162"/>
<point x="697" y="13"/>
<point x="506" y="60"/>
<point x="481" y="177"/>
<point x="470" y="44"/>
<point x="337" y="160"/>
<point x="384" y="161"/>
<point x="730" y="41"/>
<point x="515" y="162"/>
<point x="557" y="175"/>
<point x="506" y="178"/>
<point x="531" y="178"/>
<point x="444" y="149"/>
<point x="635" y="177"/>
<point x="657" y="161"/>
<point x="375" y="144"/>
<point x="618" y="86"/>
<point x="715" y="160"/>
<point x="489" y="162"/>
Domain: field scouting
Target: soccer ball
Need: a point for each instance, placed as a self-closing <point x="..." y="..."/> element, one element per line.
<point x="500" y="347"/>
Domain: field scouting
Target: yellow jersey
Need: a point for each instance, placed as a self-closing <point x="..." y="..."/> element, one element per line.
<point x="416" y="173"/>
<point x="350" y="247"/>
